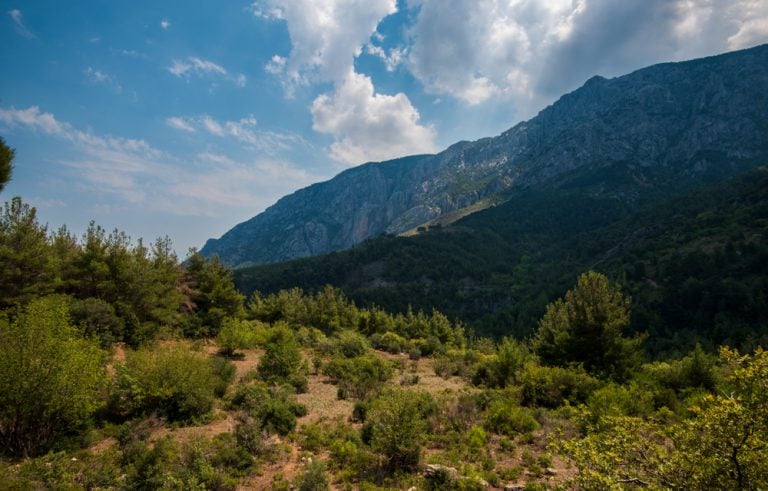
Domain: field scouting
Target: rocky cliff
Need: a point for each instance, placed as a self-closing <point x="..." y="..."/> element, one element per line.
<point x="682" y="119"/>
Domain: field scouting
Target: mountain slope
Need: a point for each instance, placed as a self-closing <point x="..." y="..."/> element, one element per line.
<point x="696" y="265"/>
<point x="677" y="124"/>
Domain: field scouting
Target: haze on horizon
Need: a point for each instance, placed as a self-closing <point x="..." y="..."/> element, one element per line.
<point x="179" y="121"/>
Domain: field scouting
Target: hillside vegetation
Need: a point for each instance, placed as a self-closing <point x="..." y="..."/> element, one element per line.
<point x="121" y="368"/>
<point x="695" y="265"/>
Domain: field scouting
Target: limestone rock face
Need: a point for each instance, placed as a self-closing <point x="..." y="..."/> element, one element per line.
<point x="701" y="119"/>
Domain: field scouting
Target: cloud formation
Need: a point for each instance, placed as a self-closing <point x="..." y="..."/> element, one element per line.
<point x="193" y="65"/>
<point x="528" y="52"/>
<point x="370" y="126"/>
<point x="326" y="37"/>
<point x="141" y="175"/>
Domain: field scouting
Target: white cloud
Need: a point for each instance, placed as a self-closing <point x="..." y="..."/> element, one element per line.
<point x="179" y="124"/>
<point x="197" y="66"/>
<point x="95" y="76"/>
<point x="141" y="175"/>
<point x="243" y="131"/>
<point x="165" y="24"/>
<point x="529" y="51"/>
<point x="370" y="126"/>
<point x="326" y="37"/>
<point x="18" y="19"/>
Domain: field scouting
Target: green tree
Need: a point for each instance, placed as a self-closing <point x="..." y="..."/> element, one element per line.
<point x="6" y="163"/>
<point x="587" y="327"/>
<point x="51" y="379"/>
<point x="212" y="294"/>
<point x="26" y="265"/>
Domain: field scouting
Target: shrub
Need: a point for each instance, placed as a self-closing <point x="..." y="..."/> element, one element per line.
<point x="235" y="334"/>
<point x="274" y="408"/>
<point x="358" y="377"/>
<point x="389" y="342"/>
<point x="97" y="319"/>
<point x="314" y="478"/>
<point x="620" y="400"/>
<point x="174" y="381"/>
<point x="506" y="418"/>
<point x="397" y="424"/>
<point x="552" y="386"/>
<point x="50" y="378"/>
<point x="281" y="362"/>
<point x="351" y="344"/>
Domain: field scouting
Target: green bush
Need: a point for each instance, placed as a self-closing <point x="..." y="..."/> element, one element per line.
<point x="173" y="381"/>
<point x="552" y="386"/>
<point x="274" y="408"/>
<point x="358" y="377"/>
<point x="235" y="334"/>
<point x="396" y="426"/>
<point x="507" y="418"/>
<point x="389" y="342"/>
<point x="620" y="400"/>
<point x="51" y="379"/>
<point x="97" y="319"/>
<point x="281" y="362"/>
<point x="351" y="344"/>
<point x="314" y="478"/>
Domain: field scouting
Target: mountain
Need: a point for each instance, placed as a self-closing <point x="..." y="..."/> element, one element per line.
<point x="662" y="130"/>
<point x="696" y="265"/>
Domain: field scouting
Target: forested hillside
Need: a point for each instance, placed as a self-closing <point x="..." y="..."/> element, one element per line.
<point x="695" y="265"/>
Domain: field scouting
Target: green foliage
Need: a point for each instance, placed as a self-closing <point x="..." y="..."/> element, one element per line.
<point x="396" y="425"/>
<point x="505" y="417"/>
<point x="314" y="478"/>
<point x="351" y="344"/>
<point x="51" y="379"/>
<point x="503" y="368"/>
<point x="358" y="377"/>
<point x="554" y="386"/>
<point x="389" y="342"/>
<point x="587" y="328"/>
<point x="282" y="362"/>
<point x="235" y="334"/>
<point x="97" y="319"/>
<point x="26" y="267"/>
<point x="213" y="297"/>
<point x="173" y="381"/>
<point x="620" y="400"/>
<point x="273" y="409"/>
<point x="723" y="446"/>
<point x="6" y="163"/>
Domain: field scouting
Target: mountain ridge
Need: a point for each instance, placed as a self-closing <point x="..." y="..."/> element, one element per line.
<point x="681" y="117"/>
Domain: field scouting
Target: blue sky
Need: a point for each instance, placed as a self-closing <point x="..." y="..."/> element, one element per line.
<point x="185" y="118"/>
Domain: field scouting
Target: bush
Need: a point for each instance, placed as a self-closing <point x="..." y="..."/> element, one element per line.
<point x="173" y="381"/>
<point x="389" y="342"/>
<point x="351" y="344"/>
<point x="506" y="418"/>
<point x="281" y="362"/>
<point x="620" y="400"/>
<point x="235" y="334"/>
<point x="553" y="386"/>
<point x="273" y="408"/>
<point x="396" y="425"/>
<point x="51" y="379"/>
<point x="97" y="319"/>
<point x="314" y="478"/>
<point x="358" y="377"/>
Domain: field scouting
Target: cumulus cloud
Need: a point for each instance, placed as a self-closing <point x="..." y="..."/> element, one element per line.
<point x="165" y="24"/>
<point x="370" y="126"/>
<point x="193" y="65"/>
<point x="142" y="175"/>
<point x="529" y="51"/>
<point x="18" y="19"/>
<point x="326" y="37"/>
